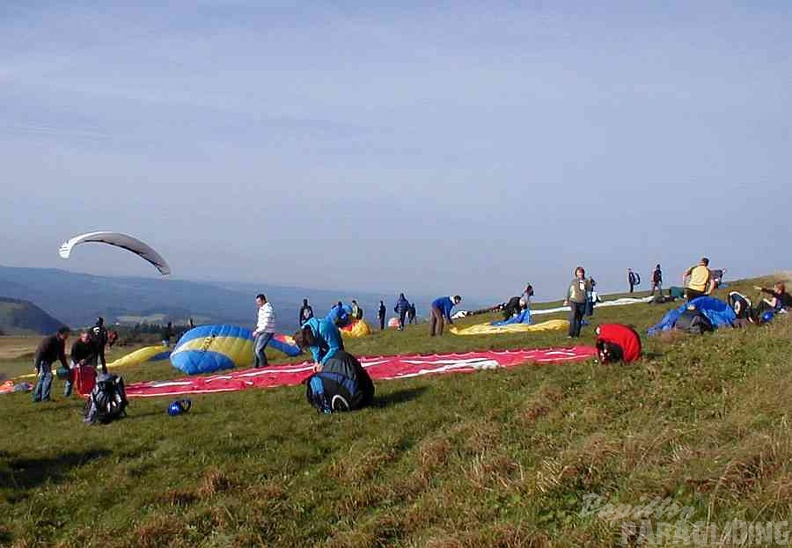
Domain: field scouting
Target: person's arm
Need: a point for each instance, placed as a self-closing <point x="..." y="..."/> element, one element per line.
<point x="447" y="309"/>
<point x="711" y="284"/>
<point x="686" y="274"/>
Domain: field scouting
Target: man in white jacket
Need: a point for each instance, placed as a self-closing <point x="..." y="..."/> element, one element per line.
<point x="265" y="329"/>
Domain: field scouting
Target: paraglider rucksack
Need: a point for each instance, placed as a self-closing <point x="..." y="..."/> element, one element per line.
<point x="107" y="401"/>
<point x="741" y="305"/>
<point x="693" y="321"/>
<point x="332" y="392"/>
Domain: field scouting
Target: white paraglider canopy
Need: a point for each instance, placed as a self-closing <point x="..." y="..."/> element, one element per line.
<point x="118" y="239"/>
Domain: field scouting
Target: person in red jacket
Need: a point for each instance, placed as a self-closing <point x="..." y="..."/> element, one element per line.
<point x="617" y="342"/>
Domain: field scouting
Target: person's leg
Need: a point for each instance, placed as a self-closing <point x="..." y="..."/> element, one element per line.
<point x="440" y="324"/>
<point x="260" y="349"/>
<point x="581" y="310"/>
<point x="46" y="379"/>
<point x="39" y="384"/>
<point x="67" y="386"/>
<point x="433" y="323"/>
<point x="402" y="314"/>
<point x="572" y="314"/>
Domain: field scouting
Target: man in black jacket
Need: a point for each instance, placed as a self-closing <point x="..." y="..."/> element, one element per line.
<point x="99" y="340"/>
<point x="51" y="348"/>
<point x="381" y="315"/>
<point x="306" y="312"/>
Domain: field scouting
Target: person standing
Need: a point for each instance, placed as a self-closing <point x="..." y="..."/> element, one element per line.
<point x="401" y="308"/>
<point x="632" y="279"/>
<point x="82" y="353"/>
<point x="657" y="280"/>
<point x="411" y="314"/>
<point x="381" y="315"/>
<point x="576" y="301"/>
<point x="441" y="312"/>
<point x="700" y="281"/>
<point x="51" y="348"/>
<point x="167" y="334"/>
<point x="99" y="340"/>
<point x="265" y="330"/>
<point x="306" y="312"/>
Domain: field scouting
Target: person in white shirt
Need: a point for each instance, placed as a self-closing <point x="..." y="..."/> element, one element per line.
<point x="265" y="330"/>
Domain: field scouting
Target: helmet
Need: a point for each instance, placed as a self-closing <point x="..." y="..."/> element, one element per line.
<point x="177" y="407"/>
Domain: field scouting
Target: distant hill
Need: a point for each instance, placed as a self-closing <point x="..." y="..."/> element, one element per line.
<point x="18" y="316"/>
<point x="78" y="299"/>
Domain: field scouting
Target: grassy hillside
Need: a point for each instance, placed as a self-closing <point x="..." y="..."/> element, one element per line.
<point x="19" y="317"/>
<point x="496" y="458"/>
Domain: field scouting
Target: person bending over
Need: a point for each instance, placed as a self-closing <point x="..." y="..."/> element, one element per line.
<point x="321" y="337"/>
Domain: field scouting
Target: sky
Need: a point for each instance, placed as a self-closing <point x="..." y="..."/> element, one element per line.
<point x="445" y="147"/>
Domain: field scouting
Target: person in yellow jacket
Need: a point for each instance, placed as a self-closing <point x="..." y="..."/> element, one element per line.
<point x="698" y="280"/>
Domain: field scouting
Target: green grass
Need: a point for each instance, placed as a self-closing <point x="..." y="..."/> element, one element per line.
<point x="496" y="458"/>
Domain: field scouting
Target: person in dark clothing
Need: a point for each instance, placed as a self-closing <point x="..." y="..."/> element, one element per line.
<point x="306" y="312"/>
<point x="632" y="279"/>
<point x="411" y="313"/>
<point x="357" y="311"/>
<point x="51" y="348"/>
<point x="82" y="353"/>
<point x="401" y="308"/>
<point x="99" y="339"/>
<point x="381" y="315"/>
<point x="576" y="301"/>
<point x="441" y="313"/>
<point x="657" y="280"/>
<point x="779" y="299"/>
<point x="167" y="334"/>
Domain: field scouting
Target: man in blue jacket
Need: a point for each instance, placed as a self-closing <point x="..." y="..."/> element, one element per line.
<point x="401" y="308"/>
<point x="441" y="312"/>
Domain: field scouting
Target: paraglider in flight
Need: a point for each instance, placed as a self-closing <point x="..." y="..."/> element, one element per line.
<point x="119" y="240"/>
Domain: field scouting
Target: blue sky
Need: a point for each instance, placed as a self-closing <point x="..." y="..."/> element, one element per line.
<point x="449" y="147"/>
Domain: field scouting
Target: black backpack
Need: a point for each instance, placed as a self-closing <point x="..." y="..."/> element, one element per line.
<point x="107" y="401"/>
<point x="741" y="305"/>
<point x="332" y="392"/>
<point x="693" y="321"/>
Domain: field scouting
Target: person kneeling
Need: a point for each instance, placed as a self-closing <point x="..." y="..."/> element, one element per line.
<point x="339" y="384"/>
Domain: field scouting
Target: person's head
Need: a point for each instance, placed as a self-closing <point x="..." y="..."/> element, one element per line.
<point x="780" y="287"/>
<point x="84" y="335"/>
<point x="704" y="261"/>
<point x="305" y="302"/>
<point x="657" y="267"/>
<point x="354" y="301"/>
<point x="304" y="337"/>
<point x="63" y="333"/>
<point x="580" y="272"/>
<point x="629" y="270"/>
<point x="457" y="299"/>
<point x="401" y="295"/>
<point x="100" y="321"/>
<point x="261" y="299"/>
<point x="382" y="303"/>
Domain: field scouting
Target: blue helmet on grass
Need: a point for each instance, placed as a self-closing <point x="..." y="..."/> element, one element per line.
<point x="177" y="407"/>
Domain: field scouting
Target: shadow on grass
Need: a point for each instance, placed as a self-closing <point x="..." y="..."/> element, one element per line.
<point x="24" y="474"/>
<point x="399" y="396"/>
